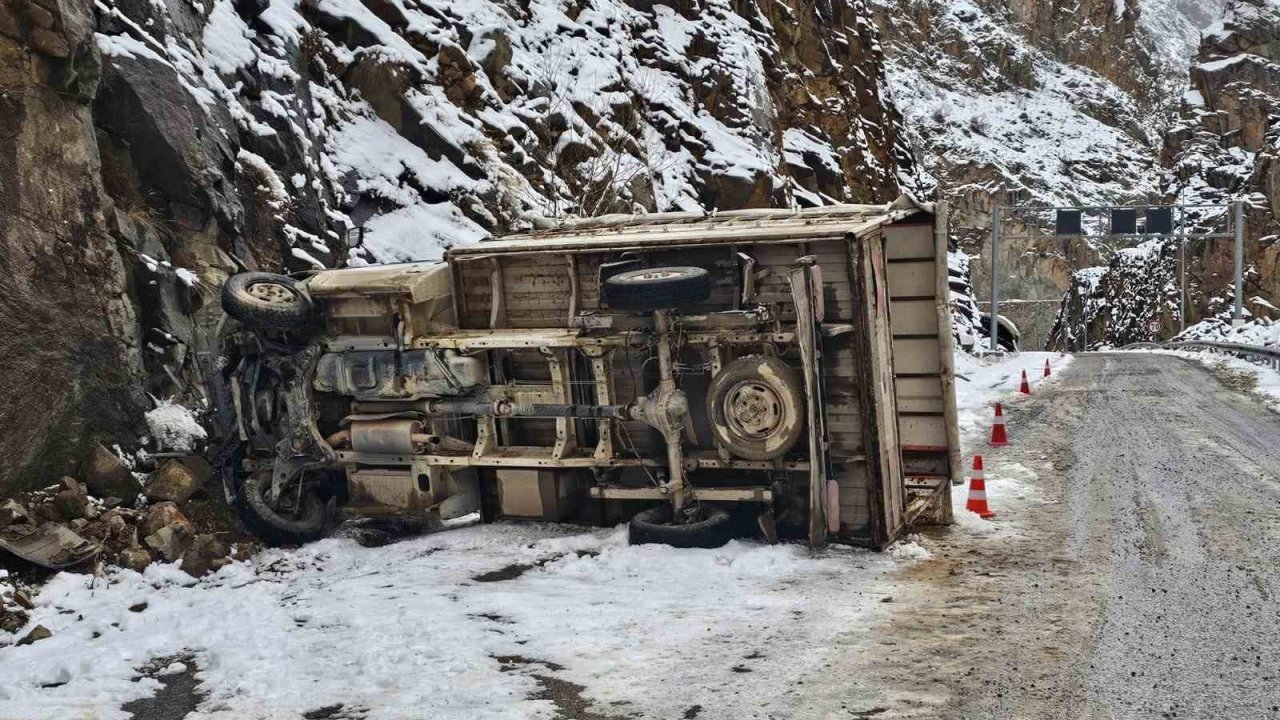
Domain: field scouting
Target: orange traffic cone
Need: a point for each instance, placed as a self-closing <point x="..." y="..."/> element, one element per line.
<point x="1046" y="367"/>
<point x="978" y="491"/>
<point x="998" y="436"/>
<point x="1026" y="386"/>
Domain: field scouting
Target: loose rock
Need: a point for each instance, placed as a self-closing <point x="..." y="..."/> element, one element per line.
<point x="170" y="541"/>
<point x="37" y="633"/>
<point x="107" y="476"/>
<point x="72" y="500"/>
<point x="173" y="482"/>
<point x="12" y="621"/>
<point x="134" y="558"/>
<point x="163" y="515"/>
<point x="206" y="553"/>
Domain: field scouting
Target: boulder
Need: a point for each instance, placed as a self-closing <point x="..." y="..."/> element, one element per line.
<point x="163" y="515"/>
<point x="134" y="559"/>
<point x="72" y="500"/>
<point x="206" y="553"/>
<point x="107" y="476"/>
<point x="173" y="482"/>
<point x="170" y="541"/>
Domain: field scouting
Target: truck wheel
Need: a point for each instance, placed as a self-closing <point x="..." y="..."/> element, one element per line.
<point x="756" y="407"/>
<point x="709" y="528"/>
<point x="657" y="288"/>
<point x="266" y="301"/>
<point x="277" y="527"/>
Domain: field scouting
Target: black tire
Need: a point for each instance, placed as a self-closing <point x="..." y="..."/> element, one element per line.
<point x="266" y="301"/>
<point x="657" y="288"/>
<point x="654" y="526"/>
<point x="275" y="528"/>
<point x="756" y="407"/>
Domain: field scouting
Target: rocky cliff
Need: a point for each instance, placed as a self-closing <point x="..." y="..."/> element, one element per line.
<point x="1221" y="145"/>
<point x="1044" y="103"/>
<point x="154" y="147"/>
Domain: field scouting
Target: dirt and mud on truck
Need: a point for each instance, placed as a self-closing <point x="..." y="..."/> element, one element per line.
<point x="784" y="373"/>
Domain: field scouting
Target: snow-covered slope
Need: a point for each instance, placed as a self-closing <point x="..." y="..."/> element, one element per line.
<point x="434" y="122"/>
<point x="1038" y="103"/>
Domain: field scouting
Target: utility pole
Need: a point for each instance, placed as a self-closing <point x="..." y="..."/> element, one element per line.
<point x="995" y="277"/>
<point x="1238" y="317"/>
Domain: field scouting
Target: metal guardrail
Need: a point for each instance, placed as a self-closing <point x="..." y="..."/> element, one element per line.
<point x="1254" y="353"/>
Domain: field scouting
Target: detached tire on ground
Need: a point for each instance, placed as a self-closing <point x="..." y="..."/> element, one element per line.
<point x="266" y="301"/>
<point x="303" y="525"/>
<point x="656" y="526"/>
<point x="657" y="288"/>
<point x="756" y="407"/>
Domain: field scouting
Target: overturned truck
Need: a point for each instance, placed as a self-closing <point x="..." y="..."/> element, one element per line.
<point x="776" y="372"/>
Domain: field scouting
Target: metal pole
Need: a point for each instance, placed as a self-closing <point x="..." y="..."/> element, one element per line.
<point x="995" y="276"/>
<point x="1182" y="281"/>
<point x="1238" y="317"/>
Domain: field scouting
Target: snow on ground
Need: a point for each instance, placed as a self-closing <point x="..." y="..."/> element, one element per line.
<point x="416" y="629"/>
<point x="981" y="382"/>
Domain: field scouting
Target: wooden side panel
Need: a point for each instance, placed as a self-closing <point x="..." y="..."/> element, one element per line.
<point x="911" y="279"/>
<point x="916" y="296"/>
<point x="914" y="317"/>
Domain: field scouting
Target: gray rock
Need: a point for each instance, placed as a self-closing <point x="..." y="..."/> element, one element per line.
<point x="107" y="476"/>
<point x="173" y="482"/>
<point x="170" y="541"/>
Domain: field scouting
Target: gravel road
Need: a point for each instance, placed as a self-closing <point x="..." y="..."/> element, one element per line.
<point x="1131" y="572"/>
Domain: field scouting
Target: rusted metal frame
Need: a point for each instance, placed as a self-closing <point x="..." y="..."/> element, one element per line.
<point x="601" y="372"/>
<point x="507" y="456"/>
<point x="498" y="339"/>
<point x="947" y="362"/>
<point x="667" y="386"/>
<point x="730" y="494"/>
<point x="802" y="293"/>
<point x="566" y="434"/>
<point x="527" y="457"/>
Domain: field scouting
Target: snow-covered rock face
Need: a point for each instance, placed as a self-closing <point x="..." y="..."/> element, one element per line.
<point x="434" y="122"/>
<point x="1037" y="103"/>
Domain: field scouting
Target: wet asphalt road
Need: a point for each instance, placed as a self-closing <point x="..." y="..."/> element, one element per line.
<point x="1133" y="574"/>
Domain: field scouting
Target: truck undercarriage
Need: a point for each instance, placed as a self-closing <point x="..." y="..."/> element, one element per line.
<point x="369" y="392"/>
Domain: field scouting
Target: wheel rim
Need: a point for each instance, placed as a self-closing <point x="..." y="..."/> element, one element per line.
<point x="273" y="293"/>
<point x="657" y="274"/>
<point x="754" y="410"/>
